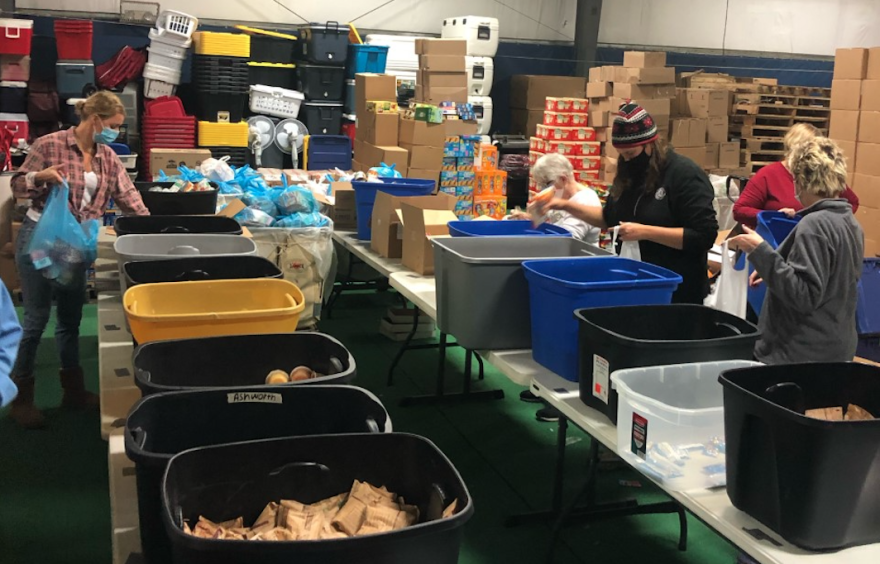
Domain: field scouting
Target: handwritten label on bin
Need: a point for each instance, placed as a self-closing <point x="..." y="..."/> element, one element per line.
<point x="253" y="397"/>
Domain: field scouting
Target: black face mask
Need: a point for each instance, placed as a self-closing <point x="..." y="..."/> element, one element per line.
<point x="639" y="165"/>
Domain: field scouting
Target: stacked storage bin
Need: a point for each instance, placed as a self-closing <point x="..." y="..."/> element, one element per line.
<point x="322" y="52"/>
<point x="74" y="71"/>
<point x="220" y="72"/>
<point x="362" y="58"/>
<point x="169" y="45"/>
<point x="166" y="126"/>
<point x="481" y="35"/>
<point x="15" y="51"/>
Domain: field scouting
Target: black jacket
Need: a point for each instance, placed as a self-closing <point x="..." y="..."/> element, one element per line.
<point x="684" y="199"/>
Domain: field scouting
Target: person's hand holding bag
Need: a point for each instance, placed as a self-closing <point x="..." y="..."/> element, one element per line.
<point x="49" y="176"/>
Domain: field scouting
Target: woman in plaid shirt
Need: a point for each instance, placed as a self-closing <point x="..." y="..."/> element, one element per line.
<point x="95" y="174"/>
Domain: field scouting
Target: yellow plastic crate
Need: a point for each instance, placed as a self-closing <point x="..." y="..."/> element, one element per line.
<point x="222" y="44"/>
<point x="223" y="134"/>
<point x="186" y="310"/>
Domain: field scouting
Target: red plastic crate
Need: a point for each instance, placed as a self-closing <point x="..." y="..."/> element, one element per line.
<point x="74" y="40"/>
<point x="165" y="107"/>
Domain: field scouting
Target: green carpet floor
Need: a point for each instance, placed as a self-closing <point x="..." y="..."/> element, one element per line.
<point x="54" y="504"/>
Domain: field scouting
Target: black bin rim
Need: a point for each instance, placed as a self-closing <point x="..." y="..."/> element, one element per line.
<point x="138" y="454"/>
<point x="143" y="381"/>
<point x="430" y="527"/>
<point x="129" y="268"/>
<point x="738" y="324"/>
<point x="228" y="225"/>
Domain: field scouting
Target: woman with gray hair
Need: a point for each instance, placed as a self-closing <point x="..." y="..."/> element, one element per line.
<point x="812" y="279"/>
<point x="556" y="171"/>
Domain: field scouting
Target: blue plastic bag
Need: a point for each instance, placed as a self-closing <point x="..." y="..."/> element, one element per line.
<point x="385" y="171"/>
<point x="300" y="220"/>
<point x="62" y="248"/>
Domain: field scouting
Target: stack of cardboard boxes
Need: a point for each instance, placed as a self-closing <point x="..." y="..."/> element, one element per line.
<point x="855" y="126"/>
<point x="528" y="95"/>
<point x="377" y="137"/>
<point x="644" y="79"/>
<point x="442" y="75"/>
<point x="565" y="129"/>
<point x="701" y="130"/>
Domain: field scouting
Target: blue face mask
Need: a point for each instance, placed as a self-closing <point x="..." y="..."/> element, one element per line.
<point x="107" y="135"/>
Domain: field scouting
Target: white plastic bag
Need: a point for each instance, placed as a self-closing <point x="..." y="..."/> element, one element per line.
<point x="216" y="170"/>
<point x="730" y="292"/>
<point x="628" y="249"/>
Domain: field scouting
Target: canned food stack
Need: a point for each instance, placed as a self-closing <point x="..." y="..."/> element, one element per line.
<point x="165" y="125"/>
<point x="322" y="51"/>
<point x="169" y="45"/>
<point x="481" y="35"/>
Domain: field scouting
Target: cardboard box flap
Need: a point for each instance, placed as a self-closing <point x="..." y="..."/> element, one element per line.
<point x="400" y="215"/>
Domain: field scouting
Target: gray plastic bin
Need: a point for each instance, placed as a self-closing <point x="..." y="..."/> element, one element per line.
<point x="482" y="294"/>
<point x="131" y="248"/>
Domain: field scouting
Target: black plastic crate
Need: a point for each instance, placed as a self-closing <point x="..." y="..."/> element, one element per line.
<point x="813" y="482"/>
<point x="324" y="43"/>
<point x="614" y="338"/>
<point x="268" y="49"/>
<point x="162" y="425"/>
<point x="198" y="268"/>
<point x="216" y="62"/>
<point x="238" y="156"/>
<point x="220" y="106"/>
<point x="177" y="203"/>
<point x="322" y="118"/>
<point x="239" y="479"/>
<point x="147" y="224"/>
<point x="239" y="361"/>
<point x="280" y="76"/>
<point x="321" y="82"/>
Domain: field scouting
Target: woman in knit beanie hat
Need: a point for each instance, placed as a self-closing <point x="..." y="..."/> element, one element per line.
<point x="659" y="198"/>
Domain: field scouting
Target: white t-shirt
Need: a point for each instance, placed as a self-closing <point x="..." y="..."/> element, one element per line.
<point x="91" y="182"/>
<point x="579" y="229"/>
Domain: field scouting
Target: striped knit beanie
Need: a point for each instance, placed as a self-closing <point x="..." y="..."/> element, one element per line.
<point x="633" y="126"/>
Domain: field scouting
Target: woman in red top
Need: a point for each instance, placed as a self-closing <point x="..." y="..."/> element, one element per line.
<point x="772" y="187"/>
<point x="80" y="156"/>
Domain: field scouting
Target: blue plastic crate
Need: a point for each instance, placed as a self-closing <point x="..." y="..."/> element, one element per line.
<point x="506" y="228"/>
<point x="365" y="197"/>
<point x="366" y="58"/>
<point x="774" y="227"/>
<point x="869" y="348"/>
<point x="868" y="310"/>
<point x="329" y="151"/>
<point x="558" y="287"/>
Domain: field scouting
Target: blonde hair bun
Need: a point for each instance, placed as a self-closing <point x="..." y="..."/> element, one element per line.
<point x="103" y="104"/>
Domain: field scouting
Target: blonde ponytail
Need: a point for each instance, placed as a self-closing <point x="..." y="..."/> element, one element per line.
<point x="103" y="104"/>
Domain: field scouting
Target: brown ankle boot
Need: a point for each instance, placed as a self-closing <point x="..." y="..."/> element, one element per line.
<point x="75" y="394"/>
<point x="23" y="410"/>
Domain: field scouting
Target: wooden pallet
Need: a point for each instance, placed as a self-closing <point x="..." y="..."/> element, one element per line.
<point x="755" y="166"/>
<point x="758" y="99"/>
<point x="763" y="144"/>
<point x="761" y="156"/>
<point x="746" y="131"/>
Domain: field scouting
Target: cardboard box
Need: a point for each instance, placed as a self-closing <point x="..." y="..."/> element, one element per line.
<point x="696" y="154"/>
<point x="657" y="75"/>
<point x="461" y="128"/>
<point x="849" y="151"/>
<point x="432" y="80"/>
<point x="424" y="174"/>
<point x="712" y="153"/>
<point x="845" y="94"/>
<point x="436" y="95"/>
<point x="599" y="90"/>
<point x="454" y="47"/>
<point x="688" y="132"/>
<point x="530" y="91"/>
<point x="412" y="132"/>
<point x="873" y="70"/>
<point x="378" y="129"/>
<point x="728" y="155"/>
<point x="525" y="122"/>
<point x="869" y="218"/>
<point x="371" y="155"/>
<point x="343" y="212"/>
<point x="424" y="217"/>
<point x="869" y="127"/>
<point x="600" y="119"/>
<point x="844" y="125"/>
<point x="371" y="86"/>
<point x="851" y="64"/>
<point x="716" y="129"/>
<point x="868" y="190"/>
<point x="386" y="238"/>
<point x="442" y="63"/>
<point x="608" y="73"/>
<point x="644" y="59"/>
<point x="643" y="92"/>
<point x="424" y="157"/>
<point x="167" y="160"/>
<point x="872" y="247"/>
<point x="9" y="273"/>
<point x="869" y="101"/>
<point x="706" y="103"/>
<point x="595" y="74"/>
<point x="868" y="159"/>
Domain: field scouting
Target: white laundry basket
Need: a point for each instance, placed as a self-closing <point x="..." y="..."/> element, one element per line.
<point x="480" y="32"/>
<point x="176" y="25"/>
<point x="273" y="101"/>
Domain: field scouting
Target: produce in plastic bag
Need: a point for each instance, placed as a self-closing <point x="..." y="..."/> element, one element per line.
<point x="252" y="217"/>
<point x="217" y="170"/>
<point x="62" y="248"/>
<point x="295" y="199"/>
<point x="385" y="171"/>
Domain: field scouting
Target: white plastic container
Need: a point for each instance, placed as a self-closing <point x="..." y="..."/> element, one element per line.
<point x="483" y="108"/>
<point x="154" y="88"/>
<point x="129" y="161"/>
<point x="170" y="44"/>
<point x="273" y="101"/>
<point x="160" y="58"/>
<point x="480" y="32"/>
<point x="667" y="419"/>
<point x="176" y="25"/>
<point x="402" y="56"/>
<point x="165" y="74"/>
<point x="481" y="73"/>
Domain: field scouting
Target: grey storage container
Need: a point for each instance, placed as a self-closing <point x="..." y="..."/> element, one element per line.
<point x="482" y="293"/>
<point x="131" y="248"/>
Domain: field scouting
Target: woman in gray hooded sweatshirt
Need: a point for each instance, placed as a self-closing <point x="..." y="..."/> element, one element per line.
<point x="809" y="314"/>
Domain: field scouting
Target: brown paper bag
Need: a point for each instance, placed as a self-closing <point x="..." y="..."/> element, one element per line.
<point x="267" y="519"/>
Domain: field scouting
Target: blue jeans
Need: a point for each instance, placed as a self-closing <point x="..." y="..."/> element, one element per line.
<point x="38" y="292"/>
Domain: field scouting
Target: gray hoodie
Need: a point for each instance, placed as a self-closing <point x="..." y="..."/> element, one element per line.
<point x="809" y="314"/>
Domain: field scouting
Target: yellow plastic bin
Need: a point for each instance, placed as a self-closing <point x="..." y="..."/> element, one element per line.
<point x="222" y="44"/>
<point x="223" y="134"/>
<point x="185" y="310"/>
